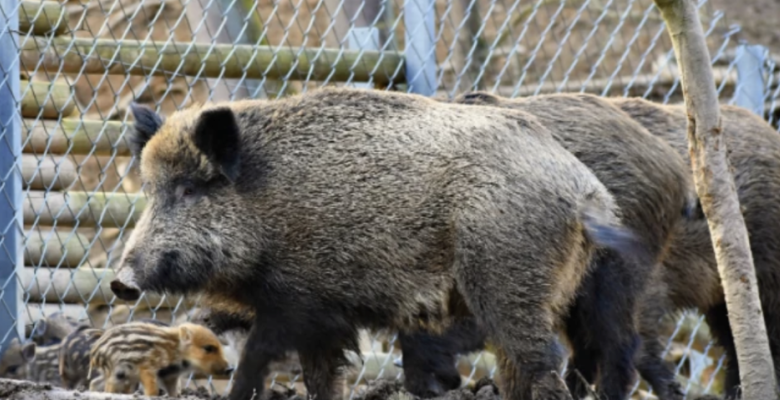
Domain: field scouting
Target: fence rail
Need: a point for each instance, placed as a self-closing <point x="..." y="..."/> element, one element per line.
<point x="86" y="56"/>
<point x="69" y="189"/>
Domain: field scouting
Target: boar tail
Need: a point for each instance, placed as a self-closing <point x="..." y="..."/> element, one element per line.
<point x="606" y="231"/>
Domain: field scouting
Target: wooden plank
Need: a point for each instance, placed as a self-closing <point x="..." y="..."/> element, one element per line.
<point x="207" y="60"/>
<point x="46" y="100"/>
<point x="75" y="136"/>
<point x="47" y="172"/>
<point x="85" y="209"/>
<point x="50" y="247"/>
<point x="42" y="18"/>
<point x="77" y="286"/>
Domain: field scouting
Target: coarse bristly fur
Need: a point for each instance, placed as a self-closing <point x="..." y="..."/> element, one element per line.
<point x="13" y="364"/>
<point x="53" y="328"/>
<point x="653" y="189"/>
<point x="44" y="366"/>
<point x="141" y="352"/>
<point x="30" y="362"/>
<point x="690" y="273"/>
<point x="342" y="209"/>
<point x="74" y="357"/>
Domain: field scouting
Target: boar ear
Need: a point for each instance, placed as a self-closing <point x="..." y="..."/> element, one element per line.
<point x="217" y="135"/>
<point x="147" y="123"/>
<point x="28" y="351"/>
<point x="478" y="97"/>
<point x="185" y="334"/>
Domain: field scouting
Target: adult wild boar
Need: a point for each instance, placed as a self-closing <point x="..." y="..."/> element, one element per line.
<point x="652" y="186"/>
<point x="341" y="208"/>
<point x="690" y="273"/>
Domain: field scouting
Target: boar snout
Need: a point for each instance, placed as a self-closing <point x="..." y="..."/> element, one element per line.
<point x="124" y="286"/>
<point x="124" y="292"/>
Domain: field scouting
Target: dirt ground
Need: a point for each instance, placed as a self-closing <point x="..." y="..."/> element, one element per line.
<point x="379" y="390"/>
<point x="484" y="389"/>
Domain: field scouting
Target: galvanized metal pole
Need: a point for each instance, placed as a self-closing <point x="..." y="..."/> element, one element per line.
<point x="420" y="51"/>
<point x="750" y="77"/>
<point x="10" y="176"/>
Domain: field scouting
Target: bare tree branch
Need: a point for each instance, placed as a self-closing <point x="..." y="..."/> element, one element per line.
<point x="715" y="187"/>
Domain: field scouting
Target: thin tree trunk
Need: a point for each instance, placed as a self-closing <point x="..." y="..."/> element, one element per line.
<point x="715" y="187"/>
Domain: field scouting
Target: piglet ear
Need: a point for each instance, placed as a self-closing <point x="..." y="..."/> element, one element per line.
<point x="217" y="135"/>
<point x="147" y="123"/>
<point x="185" y="334"/>
<point x="28" y="351"/>
<point x="40" y="329"/>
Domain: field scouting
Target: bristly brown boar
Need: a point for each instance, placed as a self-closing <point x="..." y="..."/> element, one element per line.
<point x="690" y="274"/>
<point x="145" y="353"/>
<point x="342" y="209"/>
<point x="653" y="190"/>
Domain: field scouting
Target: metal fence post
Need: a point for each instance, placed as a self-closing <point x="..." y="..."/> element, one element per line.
<point x="10" y="178"/>
<point x="420" y="50"/>
<point x="750" y="77"/>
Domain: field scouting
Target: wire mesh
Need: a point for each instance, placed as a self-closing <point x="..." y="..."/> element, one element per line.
<point x="82" y="62"/>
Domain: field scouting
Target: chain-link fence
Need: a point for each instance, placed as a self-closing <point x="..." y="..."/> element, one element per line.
<point x="70" y="190"/>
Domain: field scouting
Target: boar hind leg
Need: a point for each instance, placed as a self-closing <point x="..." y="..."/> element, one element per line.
<point x="650" y="363"/>
<point x="428" y="364"/>
<point x="718" y="321"/>
<point x="656" y="372"/>
<point x="263" y="346"/>
<point x="429" y="361"/>
<point x="322" y="372"/>
<point x="533" y="378"/>
<point x="509" y="287"/>
<point x="602" y="325"/>
<point x="582" y="368"/>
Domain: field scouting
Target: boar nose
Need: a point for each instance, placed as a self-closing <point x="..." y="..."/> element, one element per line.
<point x="124" y="285"/>
<point x="124" y="292"/>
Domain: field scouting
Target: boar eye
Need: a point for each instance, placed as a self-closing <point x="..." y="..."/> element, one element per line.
<point x="185" y="191"/>
<point x="210" y="349"/>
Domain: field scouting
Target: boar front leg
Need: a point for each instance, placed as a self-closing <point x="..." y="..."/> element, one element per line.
<point x="263" y="346"/>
